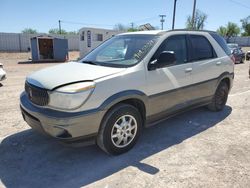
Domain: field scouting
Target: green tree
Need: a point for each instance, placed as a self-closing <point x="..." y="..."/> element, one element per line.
<point x="29" y="31"/>
<point x="246" y="26"/>
<point x="222" y="31"/>
<point x="232" y="29"/>
<point x="132" y="29"/>
<point x="199" y="20"/>
<point x="56" y="31"/>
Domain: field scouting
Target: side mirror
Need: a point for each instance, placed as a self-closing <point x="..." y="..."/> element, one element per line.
<point x="165" y="59"/>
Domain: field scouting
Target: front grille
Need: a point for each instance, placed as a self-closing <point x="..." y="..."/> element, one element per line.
<point x="37" y="95"/>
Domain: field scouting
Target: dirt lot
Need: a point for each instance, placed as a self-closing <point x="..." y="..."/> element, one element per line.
<point x="195" y="149"/>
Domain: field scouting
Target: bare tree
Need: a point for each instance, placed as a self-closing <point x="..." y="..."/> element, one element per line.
<point x="120" y="27"/>
<point x="199" y="20"/>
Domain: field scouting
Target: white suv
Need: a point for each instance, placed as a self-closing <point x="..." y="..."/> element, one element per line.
<point x="129" y="82"/>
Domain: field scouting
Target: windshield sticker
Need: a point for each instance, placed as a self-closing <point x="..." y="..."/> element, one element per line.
<point x="138" y="55"/>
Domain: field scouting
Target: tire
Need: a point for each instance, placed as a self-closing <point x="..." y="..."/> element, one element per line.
<point x="220" y="98"/>
<point x="116" y="124"/>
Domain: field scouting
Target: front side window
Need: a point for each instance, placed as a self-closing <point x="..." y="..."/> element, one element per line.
<point x="176" y="44"/>
<point x="202" y="49"/>
<point x="121" y="51"/>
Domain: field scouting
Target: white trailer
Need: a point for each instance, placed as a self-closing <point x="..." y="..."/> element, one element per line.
<point x="90" y="38"/>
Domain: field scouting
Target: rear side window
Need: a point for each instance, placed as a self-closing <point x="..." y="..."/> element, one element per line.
<point x="221" y="41"/>
<point x="202" y="49"/>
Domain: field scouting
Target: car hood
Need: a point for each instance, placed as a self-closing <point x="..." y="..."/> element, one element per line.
<point x="71" y="72"/>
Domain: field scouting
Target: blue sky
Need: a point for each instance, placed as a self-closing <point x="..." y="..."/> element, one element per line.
<point x="15" y="15"/>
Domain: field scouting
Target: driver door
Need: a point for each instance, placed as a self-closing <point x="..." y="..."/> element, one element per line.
<point x="168" y="86"/>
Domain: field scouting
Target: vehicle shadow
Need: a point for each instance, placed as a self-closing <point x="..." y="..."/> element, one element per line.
<point x="30" y="160"/>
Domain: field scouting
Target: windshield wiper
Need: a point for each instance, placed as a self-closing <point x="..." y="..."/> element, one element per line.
<point x="90" y="62"/>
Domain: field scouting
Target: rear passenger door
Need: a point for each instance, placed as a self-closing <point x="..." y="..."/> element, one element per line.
<point x="167" y="85"/>
<point x="205" y="64"/>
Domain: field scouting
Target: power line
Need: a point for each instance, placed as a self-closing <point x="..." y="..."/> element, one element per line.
<point x="240" y="4"/>
<point x="107" y="25"/>
<point x="81" y="23"/>
<point x="146" y="19"/>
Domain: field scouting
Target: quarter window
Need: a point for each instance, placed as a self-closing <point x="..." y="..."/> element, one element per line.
<point x="221" y="41"/>
<point x="202" y="49"/>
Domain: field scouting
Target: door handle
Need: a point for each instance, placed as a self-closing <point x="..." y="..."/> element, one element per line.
<point x="188" y="70"/>
<point x="218" y="63"/>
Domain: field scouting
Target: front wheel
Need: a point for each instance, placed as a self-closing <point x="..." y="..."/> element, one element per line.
<point x="220" y="98"/>
<point x="120" y="129"/>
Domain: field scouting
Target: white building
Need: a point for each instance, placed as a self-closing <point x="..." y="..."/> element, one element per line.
<point x="90" y="38"/>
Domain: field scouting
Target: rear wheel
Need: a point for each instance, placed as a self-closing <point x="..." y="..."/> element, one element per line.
<point x="120" y="129"/>
<point x="220" y="98"/>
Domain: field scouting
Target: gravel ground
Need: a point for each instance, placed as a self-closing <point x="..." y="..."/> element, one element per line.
<point x="195" y="149"/>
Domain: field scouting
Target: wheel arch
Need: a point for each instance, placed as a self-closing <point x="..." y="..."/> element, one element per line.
<point x="227" y="78"/>
<point x="135" y="98"/>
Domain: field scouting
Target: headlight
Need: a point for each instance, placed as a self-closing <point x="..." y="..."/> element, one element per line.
<point x="71" y="96"/>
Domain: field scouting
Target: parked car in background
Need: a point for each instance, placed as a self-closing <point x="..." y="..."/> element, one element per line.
<point x="129" y="82"/>
<point x="248" y="55"/>
<point x="2" y="72"/>
<point x="239" y="55"/>
<point x="232" y="45"/>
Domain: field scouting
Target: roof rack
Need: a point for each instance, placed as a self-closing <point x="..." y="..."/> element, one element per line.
<point x="209" y="31"/>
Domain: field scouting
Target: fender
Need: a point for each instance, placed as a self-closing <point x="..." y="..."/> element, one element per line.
<point x="124" y="95"/>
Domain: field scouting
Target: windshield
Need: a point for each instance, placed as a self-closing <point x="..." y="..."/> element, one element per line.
<point x="121" y="51"/>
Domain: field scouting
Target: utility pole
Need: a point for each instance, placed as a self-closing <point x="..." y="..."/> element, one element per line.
<point x="174" y="14"/>
<point x="60" y="29"/>
<point x="132" y="26"/>
<point x="162" y="20"/>
<point x="193" y="17"/>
